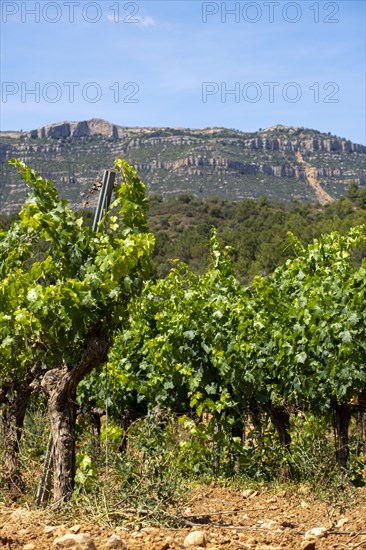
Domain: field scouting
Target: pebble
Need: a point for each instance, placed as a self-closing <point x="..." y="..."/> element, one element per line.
<point x="55" y="531"/>
<point x="269" y="525"/>
<point x="115" y="542"/>
<point x="316" y="533"/>
<point x="50" y="528"/>
<point x="151" y="530"/>
<point x="248" y="493"/>
<point x="341" y="522"/>
<point x="81" y="541"/>
<point x="196" y="538"/>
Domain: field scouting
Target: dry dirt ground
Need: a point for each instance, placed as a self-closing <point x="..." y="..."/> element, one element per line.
<point x="231" y="519"/>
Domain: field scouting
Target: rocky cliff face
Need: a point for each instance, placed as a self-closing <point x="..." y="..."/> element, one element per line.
<point x="93" y="127"/>
<point x="198" y="165"/>
<point x="212" y="161"/>
<point x="307" y="145"/>
<point x="102" y="128"/>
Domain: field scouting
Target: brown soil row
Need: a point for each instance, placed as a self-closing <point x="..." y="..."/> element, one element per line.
<point x="232" y="519"/>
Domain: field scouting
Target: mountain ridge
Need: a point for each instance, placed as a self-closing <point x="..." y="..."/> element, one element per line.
<point x="98" y="126"/>
<point x="282" y="162"/>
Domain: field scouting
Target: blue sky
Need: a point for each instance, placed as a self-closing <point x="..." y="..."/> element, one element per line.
<point x="236" y="64"/>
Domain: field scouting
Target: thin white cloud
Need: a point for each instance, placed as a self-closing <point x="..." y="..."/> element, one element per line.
<point x="142" y="21"/>
<point x="147" y="21"/>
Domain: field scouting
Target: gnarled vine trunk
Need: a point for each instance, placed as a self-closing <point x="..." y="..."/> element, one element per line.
<point x="14" y="398"/>
<point x="361" y="421"/>
<point x="217" y="444"/>
<point x="128" y="417"/>
<point x="12" y="420"/>
<point x="60" y="385"/>
<point x="361" y="428"/>
<point x="255" y="415"/>
<point x="342" y="422"/>
<point x="281" y="420"/>
<point x="94" y="416"/>
<point x="237" y="431"/>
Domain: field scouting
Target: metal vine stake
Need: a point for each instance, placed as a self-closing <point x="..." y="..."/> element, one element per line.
<point x="104" y="201"/>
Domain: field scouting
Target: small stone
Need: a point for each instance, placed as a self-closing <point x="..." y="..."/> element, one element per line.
<point x="115" y="542"/>
<point x="288" y="524"/>
<point x="341" y="522"/>
<point x="50" y="529"/>
<point x="308" y="545"/>
<point x="151" y="530"/>
<point x="196" y="538"/>
<point x="57" y="532"/>
<point x="316" y="533"/>
<point x="75" y="529"/>
<point x="269" y="525"/>
<point x="29" y="546"/>
<point x="81" y="541"/>
<point x="304" y="504"/>
<point x="23" y="532"/>
<point x="248" y="493"/>
<point x="304" y="490"/>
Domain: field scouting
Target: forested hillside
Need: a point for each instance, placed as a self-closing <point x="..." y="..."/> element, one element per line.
<point x="256" y="230"/>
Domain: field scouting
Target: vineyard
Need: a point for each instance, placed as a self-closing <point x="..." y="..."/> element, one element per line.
<point x="131" y="387"/>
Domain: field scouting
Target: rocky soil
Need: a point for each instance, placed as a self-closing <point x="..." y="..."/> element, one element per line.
<point x="215" y="518"/>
